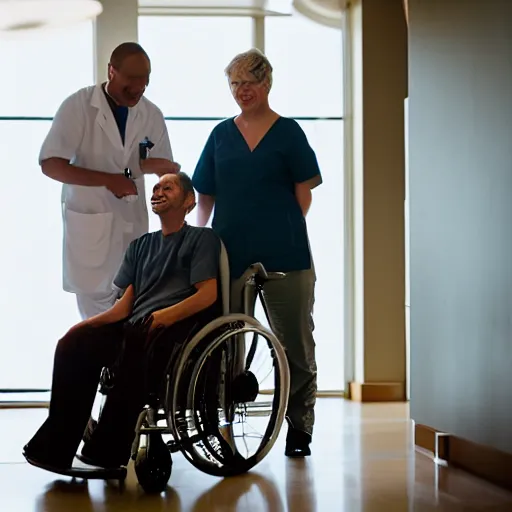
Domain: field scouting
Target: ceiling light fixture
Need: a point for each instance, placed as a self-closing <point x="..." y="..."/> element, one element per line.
<point x="325" y="12"/>
<point x="29" y="15"/>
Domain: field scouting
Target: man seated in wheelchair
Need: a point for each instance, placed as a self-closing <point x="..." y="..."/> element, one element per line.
<point x="168" y="281"/>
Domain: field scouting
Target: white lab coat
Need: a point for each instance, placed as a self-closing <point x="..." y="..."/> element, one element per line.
<point x="97" y="226"/>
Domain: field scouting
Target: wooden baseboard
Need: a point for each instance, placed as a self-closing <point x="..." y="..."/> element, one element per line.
<point x="433" y="441"/>
<point x="480" y="460"/>
<point x="331" y="394"/>
<point x="24" y="405"/>
<point x="377" y="391"/>
<point x="320" y="394"/>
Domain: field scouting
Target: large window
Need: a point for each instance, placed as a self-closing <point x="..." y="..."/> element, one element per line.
<point x="307" y="61"/>
<point x="188" y="139"/>
<point x="308" y="67"/>
<point x="34" y="310"/>
<point x="188" y="81"/>
<point x="41" y="69"/>
<point x="188" y="56"/>
<point x="325" y="226"/>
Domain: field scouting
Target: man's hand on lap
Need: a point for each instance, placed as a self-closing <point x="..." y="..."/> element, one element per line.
<point x="159" y="319"/>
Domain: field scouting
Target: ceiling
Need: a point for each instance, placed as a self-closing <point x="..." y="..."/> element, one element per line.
<point x="326" y="12"/>
<point x="219" y="7"/>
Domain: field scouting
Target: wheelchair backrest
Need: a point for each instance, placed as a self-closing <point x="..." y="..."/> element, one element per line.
<point x="224" y="280"/>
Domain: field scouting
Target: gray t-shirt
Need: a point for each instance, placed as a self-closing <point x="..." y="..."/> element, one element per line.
<point x="164" y="269"/>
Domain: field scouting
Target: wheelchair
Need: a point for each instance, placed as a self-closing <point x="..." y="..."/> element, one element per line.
<point x="212" y="403"/>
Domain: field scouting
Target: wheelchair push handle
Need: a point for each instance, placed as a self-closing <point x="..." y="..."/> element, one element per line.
<point x="259" y="273"/>
<point x="259" y="270"/>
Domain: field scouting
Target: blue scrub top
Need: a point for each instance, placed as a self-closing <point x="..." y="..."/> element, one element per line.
<point x="256" y="213"/>
<point x="120" y="113"/>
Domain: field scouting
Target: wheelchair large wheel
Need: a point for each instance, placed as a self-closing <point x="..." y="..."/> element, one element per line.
<point x="225" y="406"/>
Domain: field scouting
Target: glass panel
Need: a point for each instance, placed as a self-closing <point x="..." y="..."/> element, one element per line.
<point x="307" y="61"/>
<point x="35" y="311"/>
<point x="188" y="56"/>
<point x="44" y="68"/>
<point x="326" y="138"/>
<point x="187" y="140"/>
<point x="325" y="227"/>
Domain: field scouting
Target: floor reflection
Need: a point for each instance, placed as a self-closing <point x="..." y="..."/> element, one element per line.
<point x="236" y="493"/>
<point x="363" y="461"/>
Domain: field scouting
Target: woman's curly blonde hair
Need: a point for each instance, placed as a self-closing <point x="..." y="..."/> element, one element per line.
<point x="253" y="62"/>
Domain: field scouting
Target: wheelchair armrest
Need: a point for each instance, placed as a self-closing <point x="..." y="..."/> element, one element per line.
<point x="272" y="276"/>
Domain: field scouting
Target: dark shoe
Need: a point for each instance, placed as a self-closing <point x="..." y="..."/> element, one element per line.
<point x="43" y="461"/>
<point x="297" y="443"/>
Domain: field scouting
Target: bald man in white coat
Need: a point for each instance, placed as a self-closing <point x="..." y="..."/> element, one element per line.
<point x="92" y="148"/>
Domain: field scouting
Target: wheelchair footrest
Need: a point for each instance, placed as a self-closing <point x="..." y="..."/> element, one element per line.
<point x="84" y="472"/>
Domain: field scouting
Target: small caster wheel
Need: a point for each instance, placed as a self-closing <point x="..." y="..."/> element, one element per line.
<point x="153" y="465"/>
<point x="245" y="388"/>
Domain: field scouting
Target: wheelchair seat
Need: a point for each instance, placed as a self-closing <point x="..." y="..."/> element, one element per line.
<point x="209" y="390"/>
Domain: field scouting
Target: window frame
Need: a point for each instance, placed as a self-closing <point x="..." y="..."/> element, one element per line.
<point x="258" y="41"/>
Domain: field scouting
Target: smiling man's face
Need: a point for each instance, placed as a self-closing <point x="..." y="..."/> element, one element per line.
<point x="168" y="195"/>
<point x="128" y="83"/>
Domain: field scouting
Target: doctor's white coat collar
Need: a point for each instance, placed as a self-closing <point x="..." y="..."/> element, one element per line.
<point x="105" y="118"/>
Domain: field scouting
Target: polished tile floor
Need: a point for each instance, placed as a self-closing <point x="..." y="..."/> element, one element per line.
<point x="363" y="462"/>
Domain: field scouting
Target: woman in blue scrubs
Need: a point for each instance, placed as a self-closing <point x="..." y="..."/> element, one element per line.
<point x="258" y="170"/>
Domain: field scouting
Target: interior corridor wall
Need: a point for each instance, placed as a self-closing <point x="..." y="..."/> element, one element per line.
<point x="460" y="156"/>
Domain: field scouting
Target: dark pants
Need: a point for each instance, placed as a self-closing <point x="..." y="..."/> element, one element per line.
<point x="139" y="363"/>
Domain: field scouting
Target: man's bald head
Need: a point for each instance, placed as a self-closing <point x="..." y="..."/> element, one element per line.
<point x="125" y="50"/>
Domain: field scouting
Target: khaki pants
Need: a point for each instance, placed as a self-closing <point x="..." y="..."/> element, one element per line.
<point x="289" y="303"/>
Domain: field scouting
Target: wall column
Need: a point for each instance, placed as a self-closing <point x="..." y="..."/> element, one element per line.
<point x="258" y="33"/>
<point x="118" y="23"/>
<point x="378" y="88"/>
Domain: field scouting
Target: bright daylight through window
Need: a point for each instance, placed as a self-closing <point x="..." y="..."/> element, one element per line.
<point x="43" y="70"/>
<point x="188" y="80"/>
<point x="188" y="55"/>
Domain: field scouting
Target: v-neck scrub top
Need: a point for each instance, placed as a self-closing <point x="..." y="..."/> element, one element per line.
<point x="256" y="213"/>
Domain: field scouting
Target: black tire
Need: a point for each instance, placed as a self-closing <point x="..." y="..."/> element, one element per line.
<point x="189" y="388"/>
<point x="153" y="465"/>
